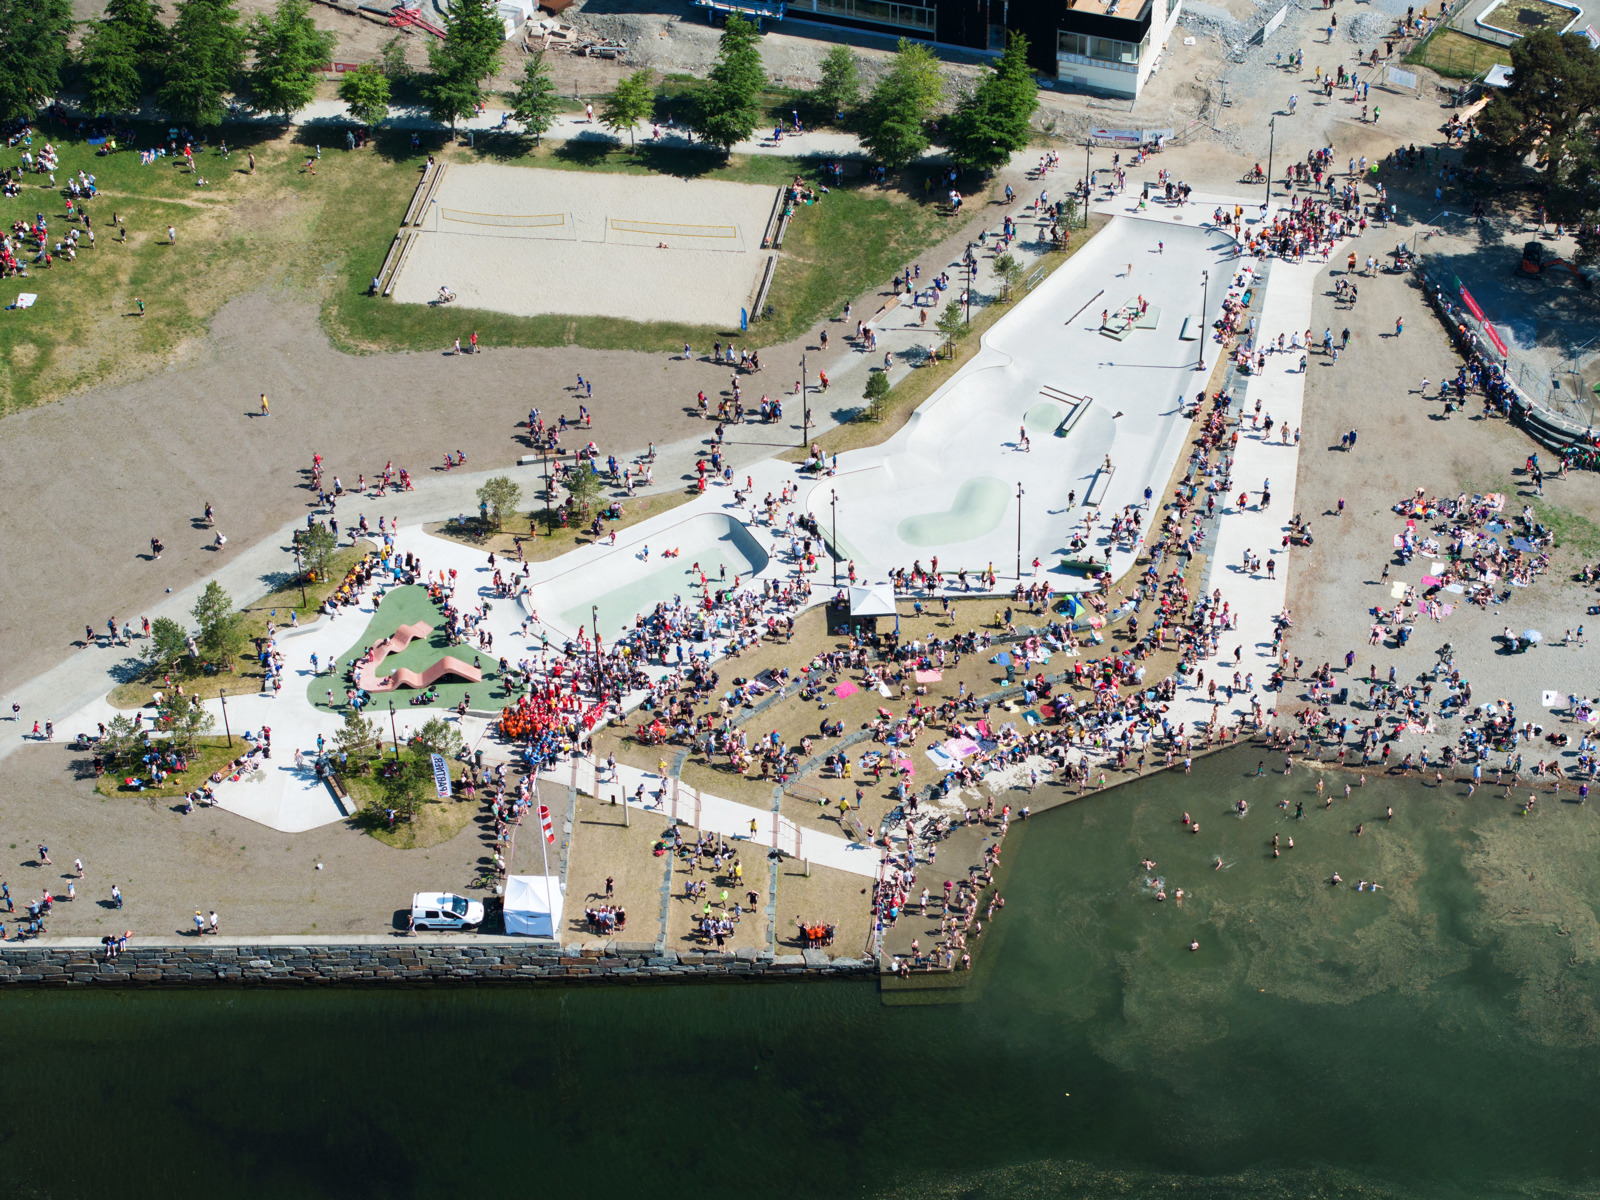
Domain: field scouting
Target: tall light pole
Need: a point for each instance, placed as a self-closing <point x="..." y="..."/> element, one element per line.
<point x="1272" y="138"/>
<point x="971" y="263"/>
<point x="1088" y="188"/>
<point x="222" y="692"/>
<point x="1019" y="534"/>
<point x="594" y="629"/>
<point x="300" y="569"/>
<point x="833" y="502"/>
<point x="393" y="732"/>
<point x="1205" y="297"/>
<point x="805" y="406"/>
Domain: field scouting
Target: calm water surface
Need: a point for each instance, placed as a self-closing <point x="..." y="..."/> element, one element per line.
<point x="1438" y="1038"/>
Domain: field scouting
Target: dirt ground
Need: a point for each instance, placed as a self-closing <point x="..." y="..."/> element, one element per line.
<point x="169" y="864"/>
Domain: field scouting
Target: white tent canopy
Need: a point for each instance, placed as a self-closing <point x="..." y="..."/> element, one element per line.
<point x="872" y="600"/>
<point x="533" y="905"/>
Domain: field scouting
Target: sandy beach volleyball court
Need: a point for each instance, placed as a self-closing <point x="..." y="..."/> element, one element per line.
<point x="646" y="248"/>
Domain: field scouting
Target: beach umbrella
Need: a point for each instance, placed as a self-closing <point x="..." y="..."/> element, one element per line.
<point x="1532" y="635"/>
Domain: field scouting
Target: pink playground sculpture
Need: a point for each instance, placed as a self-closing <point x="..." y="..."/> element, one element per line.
<point x="403" y="677"/>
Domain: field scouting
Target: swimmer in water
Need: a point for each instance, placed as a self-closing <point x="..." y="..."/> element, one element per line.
<point x="1178" y="895"/>
<point x="1194" y="945"/>
<point x="1148" y="864"/>
<point x="1336" y="880"/>
<point x="1361" y="885"/>
<point x="1195" y="828"/>
<point x="1161" y="895"/>
<point x="1291" y="843"/>
<point x="1359" y="828"/>
<point x="1216" y="864"/>
<point x="1390" y="815"/>
<point x="1374" y="887"/>
<point x="1185" y="818"/>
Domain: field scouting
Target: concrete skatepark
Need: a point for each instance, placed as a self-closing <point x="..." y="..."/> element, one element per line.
<point x="946" y="484"/>
<point x="1045" y="366"/>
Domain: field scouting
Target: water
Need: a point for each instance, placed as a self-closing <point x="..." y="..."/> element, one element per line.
<point x="1439" y="1038"/>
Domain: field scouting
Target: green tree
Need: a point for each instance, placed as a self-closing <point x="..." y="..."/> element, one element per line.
<point x="220" y="637"/>
<point x="365" y="92"/>
<point x="994" y="120"/>
<point x="112" y="81"/>
<point x="404" y="788"/>
<point x="951" y="324"/>
<point x="1547" y="113"/>
<point x="1010" y="272"/>
<point x="185" y="719"/>
<point x="123" y="740"/>
<point x="358" y="737"/>
<point x="168" y="643"/>
<point x="469" y="54"/>
<point x="877" y="388"/>
<point x="584" y="486"/>
<point x="631" y="103"/>
<point x="533" y="104"/>
<point x="895" y="117"/>
<point x="840" y="86"/>
<point x="289" y="50"/>
<point x="204" y="57"/>
<point x="317" y="548"/>
<point x="725" y="110"/>
<point x="392" y="59"/>
<point x="33" y="49"/>
<point x="141" y="19"/>
<point x="499" y="496"/>
<point x="437" y="736"/>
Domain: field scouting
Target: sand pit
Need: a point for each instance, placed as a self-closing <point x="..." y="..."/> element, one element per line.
<point x="525" y="241"/>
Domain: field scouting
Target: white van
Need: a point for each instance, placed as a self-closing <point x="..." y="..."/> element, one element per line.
<point x="444" y="910"/>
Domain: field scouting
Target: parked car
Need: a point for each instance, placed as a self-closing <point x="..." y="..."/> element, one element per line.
<point x="444" y="910"/>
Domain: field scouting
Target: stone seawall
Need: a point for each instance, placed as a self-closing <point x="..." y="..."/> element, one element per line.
<point x="395" y="962"/>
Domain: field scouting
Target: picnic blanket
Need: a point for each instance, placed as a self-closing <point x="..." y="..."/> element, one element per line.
<point x="845" y="689"/>
<point x="1550" y="699"/>
<point x="1429" y="581"/>
<point x="929" y="676"/>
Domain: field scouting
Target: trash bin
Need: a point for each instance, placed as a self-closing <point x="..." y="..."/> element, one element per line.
<point x="477" y="757"/>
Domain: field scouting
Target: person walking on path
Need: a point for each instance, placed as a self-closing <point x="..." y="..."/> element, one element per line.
<point x="172" y="235"/>
<point x="265" y="412"/>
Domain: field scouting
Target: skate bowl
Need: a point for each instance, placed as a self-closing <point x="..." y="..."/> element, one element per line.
<point x="368" y="679"/>
<point x="623" y="583"/>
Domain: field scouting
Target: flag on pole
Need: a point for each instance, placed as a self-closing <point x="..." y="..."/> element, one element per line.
<point x="545" y="825"/>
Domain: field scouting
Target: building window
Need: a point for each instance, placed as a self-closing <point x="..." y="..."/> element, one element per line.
<point x="879" y="12"/>
<point x="1102" y="52"/>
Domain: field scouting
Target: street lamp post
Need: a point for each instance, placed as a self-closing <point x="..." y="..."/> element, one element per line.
<point x="1272" y="138"/>
<point x="833" y="503"/>
<point x="1205" y="297"/>
<point x="393" y="732"/>
<point x="300" y="569"/>
<point x="594" y="630"/>
<point x="1088" y="188"/>
<point x="805" y="405"/>
<point x="1019" y="534"/>
<point x="222" y="692"/>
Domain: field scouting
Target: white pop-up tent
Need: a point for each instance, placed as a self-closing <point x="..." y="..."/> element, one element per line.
<point x="872" y="600"/>
<point x="533" y="905"/>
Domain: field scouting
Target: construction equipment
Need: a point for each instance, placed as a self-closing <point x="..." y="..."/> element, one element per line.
<point x="1537" y="258"/>
<point x="402" y="17"/>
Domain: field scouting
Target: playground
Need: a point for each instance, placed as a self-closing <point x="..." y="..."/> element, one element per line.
<point x="416" y="651"/>
<point x="1074" y="397"/>
<point x="642" y="247"/>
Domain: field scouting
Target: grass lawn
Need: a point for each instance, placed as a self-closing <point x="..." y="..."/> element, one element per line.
<point x="1455" y="55"/>
<point x="436" y="822"/>
<point x="405" y="606"/>
<point x="323" y="235"/>
<point x="211" y="754"/>
<point x="902" y="399"/>
<point x="276" y="607"/>
<point x="559" y="541"/>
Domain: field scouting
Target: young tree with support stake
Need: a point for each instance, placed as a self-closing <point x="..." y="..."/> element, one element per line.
<point x="499" y="497"/>
<point x="533" y="104"/>
<point x="365" y="92"/>
<point x="632" y="102"/>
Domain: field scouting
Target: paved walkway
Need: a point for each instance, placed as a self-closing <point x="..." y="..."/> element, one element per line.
<point x="1255" y="600"/>
<point x="664" y="796"/>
